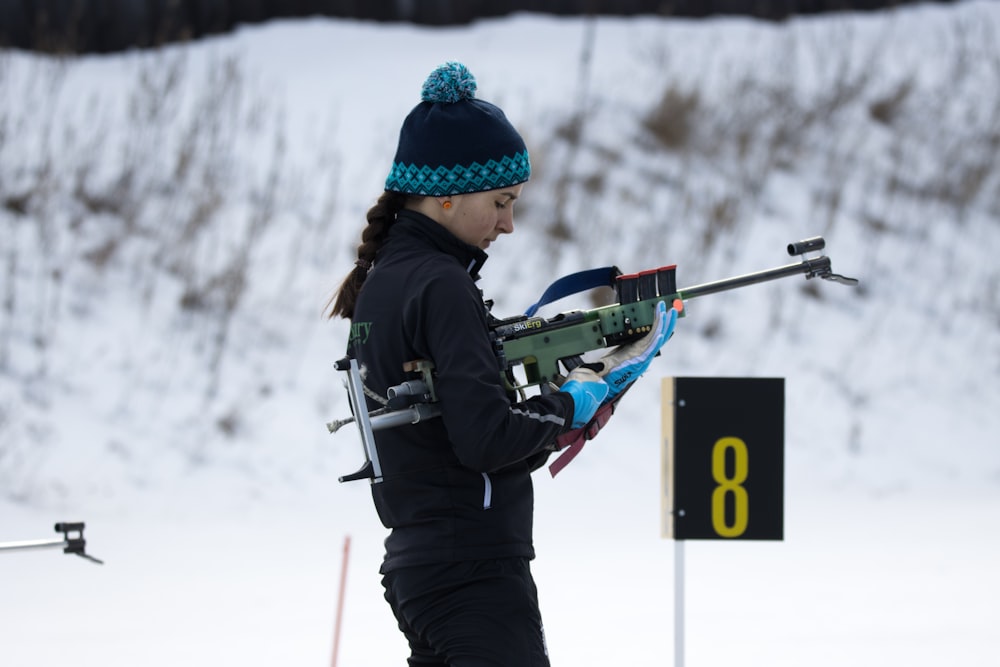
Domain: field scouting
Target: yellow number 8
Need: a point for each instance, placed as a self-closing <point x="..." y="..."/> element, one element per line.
<point x="733" y="485"/>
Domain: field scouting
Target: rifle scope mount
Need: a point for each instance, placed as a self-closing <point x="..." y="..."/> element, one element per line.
<point x="822" y="264"/>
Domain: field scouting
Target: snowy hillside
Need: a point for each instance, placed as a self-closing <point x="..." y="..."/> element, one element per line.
<point x="173" y="222"/>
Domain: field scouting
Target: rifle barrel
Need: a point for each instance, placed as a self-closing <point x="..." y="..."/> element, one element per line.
<point x="32" y="544"/>
<point x="812" y="267"/>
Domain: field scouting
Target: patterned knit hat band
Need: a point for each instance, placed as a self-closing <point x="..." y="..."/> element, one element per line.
<point x="452" y="143"/>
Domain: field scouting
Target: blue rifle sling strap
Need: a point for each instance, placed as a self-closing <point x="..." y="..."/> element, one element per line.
<point x="575" y="283"/>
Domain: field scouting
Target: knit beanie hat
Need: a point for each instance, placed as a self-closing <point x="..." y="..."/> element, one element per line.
<point x="452" y="143"/>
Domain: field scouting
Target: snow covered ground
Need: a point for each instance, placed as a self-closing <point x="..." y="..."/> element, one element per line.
<point x="902" y="579"/>
<point x="212" y="497"/>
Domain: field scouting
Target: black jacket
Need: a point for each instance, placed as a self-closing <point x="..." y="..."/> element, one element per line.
<point x="458" y="487"/>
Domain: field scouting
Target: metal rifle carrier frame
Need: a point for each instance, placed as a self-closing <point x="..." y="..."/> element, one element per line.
<point x="408" y="403"/>
<point x="70" y="544"/>
<point x="546" y="346"/>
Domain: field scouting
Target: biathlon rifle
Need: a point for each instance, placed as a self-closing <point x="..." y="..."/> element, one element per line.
<point x="540" y="345"/>
<point x="543" y="347"/>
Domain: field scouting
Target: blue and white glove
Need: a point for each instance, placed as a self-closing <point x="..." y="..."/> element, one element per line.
<point x="594" y="384"/>
<point x="588" y="390"/>
<point x="622" y="367"/>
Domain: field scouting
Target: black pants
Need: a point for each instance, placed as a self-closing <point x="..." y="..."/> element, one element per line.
<point x="469" y="614"/>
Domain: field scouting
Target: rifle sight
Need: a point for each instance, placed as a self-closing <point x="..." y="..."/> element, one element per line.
<point x="806" y="245"/>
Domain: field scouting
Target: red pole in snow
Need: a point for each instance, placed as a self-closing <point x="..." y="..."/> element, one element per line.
<point x="340" y="599"/>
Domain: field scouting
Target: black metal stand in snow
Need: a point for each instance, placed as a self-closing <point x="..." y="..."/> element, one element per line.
<point x="72" y="542"/>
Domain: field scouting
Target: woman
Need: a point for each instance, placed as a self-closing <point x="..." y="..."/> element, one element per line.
<point x="456" y="491"/>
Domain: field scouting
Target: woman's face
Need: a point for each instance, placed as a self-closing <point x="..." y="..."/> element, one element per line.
<point x="479" y="218"/>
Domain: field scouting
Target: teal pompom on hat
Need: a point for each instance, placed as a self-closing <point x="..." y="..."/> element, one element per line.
<point x="452" y="143"/>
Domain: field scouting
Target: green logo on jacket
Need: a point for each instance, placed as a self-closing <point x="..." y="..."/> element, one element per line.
<point x="359" y="333"/>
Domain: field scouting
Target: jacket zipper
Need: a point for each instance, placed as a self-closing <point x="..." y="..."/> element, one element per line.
<point x="487" y="491"/>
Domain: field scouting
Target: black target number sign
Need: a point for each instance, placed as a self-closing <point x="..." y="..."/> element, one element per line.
<point x="723" y="458"/>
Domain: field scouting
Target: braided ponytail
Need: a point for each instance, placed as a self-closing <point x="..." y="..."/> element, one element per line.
<point x="380" y="217"/>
